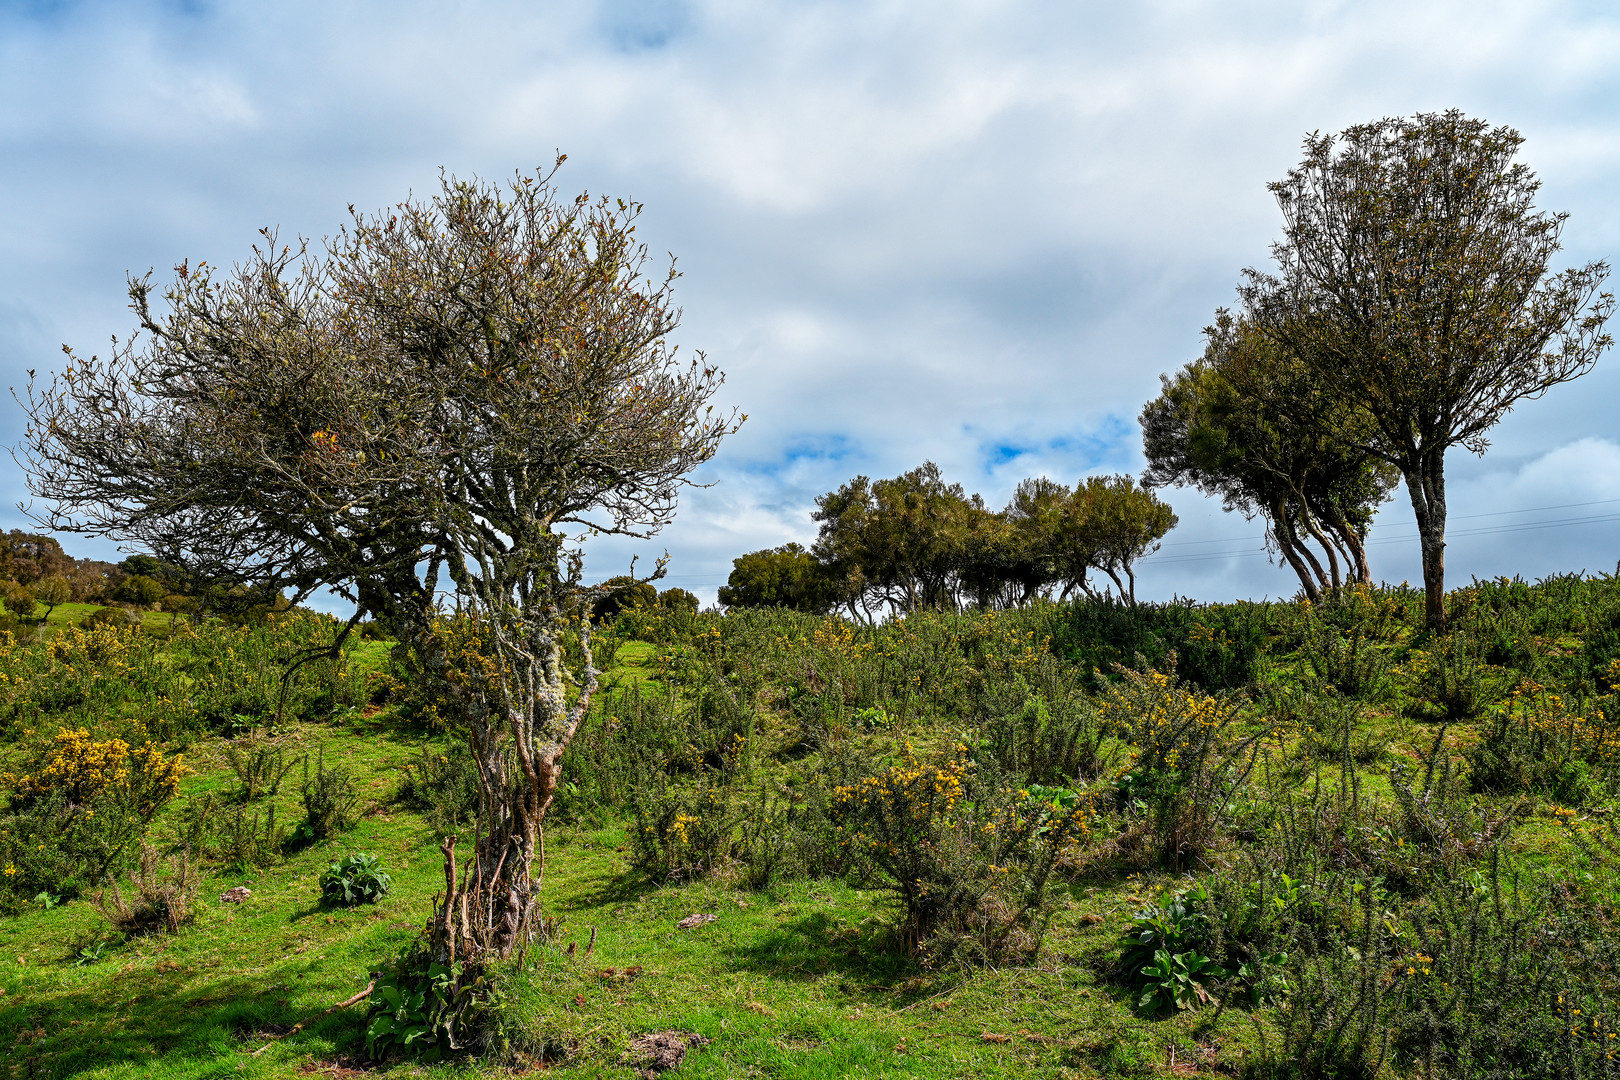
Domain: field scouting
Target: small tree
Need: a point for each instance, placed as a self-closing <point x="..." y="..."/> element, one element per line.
<point x="432" y="408"/>
<point x="1413" y="283"/>
<point x="52" y="591"/>
<point x="786" y="576"/>
<point x="1118" y="523"/>
<point x="1244" y="422"/>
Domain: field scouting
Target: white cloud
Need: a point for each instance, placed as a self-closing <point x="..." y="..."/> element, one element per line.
<point x="908" y="230"/>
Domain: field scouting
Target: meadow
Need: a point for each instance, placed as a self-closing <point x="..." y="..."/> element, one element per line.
<point x="1068" y="840"/>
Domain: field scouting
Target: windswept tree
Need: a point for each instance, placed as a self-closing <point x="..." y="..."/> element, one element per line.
<point x="907" y="535"/>
<point x="1244" y="423"/>
<point x="424" y="415"/>
<point x="1414" y="283"/>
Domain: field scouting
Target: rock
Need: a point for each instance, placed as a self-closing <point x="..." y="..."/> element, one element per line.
<point x="695" y="920"/>
<point x="236" y="895"/>
<point x="662" y="1050"/>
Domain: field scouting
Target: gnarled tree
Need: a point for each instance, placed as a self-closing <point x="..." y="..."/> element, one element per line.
<point x="424" y="415"/>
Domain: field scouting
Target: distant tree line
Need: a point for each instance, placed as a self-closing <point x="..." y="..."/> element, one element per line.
<point x="915" y="542"/>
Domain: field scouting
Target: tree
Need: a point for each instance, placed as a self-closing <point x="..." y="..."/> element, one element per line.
<point x="52" y="591"/>
<point x="908" y="537"/>
<point x="1118" y="523"/>
<point x="623" y="593"/>
<point x="786" y="576"/>
<point x="1243" y="423"/>
<point x="140" y="590"/>
<point x="1413" y="283"/>
<point x="440" y="401"/>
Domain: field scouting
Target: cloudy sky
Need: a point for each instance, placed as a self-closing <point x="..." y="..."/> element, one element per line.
<point x="972" y="232"/>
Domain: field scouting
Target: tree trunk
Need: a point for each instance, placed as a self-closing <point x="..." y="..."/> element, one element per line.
<point x="488" y="909"/>
<point x="1426" y="484"/>
<point x="1283" y="533"/>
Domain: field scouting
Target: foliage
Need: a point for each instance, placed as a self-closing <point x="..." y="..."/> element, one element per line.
<point x="329" y="797"/>
<point x="353" y="880"/>
<point x="443" y="785"/>
<point x="158" y="901"/>
<point x="79" y="808"/>
<point x="968" y="855"/>
<point x="1187" y="761"/>
<point x="260" y="765"/>
<point x="1413" y="287"/>
<point x="1539" y="744"/>
<point x="786" y="576"/>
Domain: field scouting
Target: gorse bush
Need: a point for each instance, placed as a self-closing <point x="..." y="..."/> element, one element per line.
<point x="1540" y="744"/>
<point x="80" y="808"/>
<point x="443" y="785"/>
<point x="1188" y="758"/>
<point x="260" y="765"/>
<point x="969" y="856"/>
<point x="329" y="797"/>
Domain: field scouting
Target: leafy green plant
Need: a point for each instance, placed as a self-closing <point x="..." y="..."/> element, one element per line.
<point x="409" y="1016"/>
<point x="353" y="880"/>
<point x="93" y="953"/>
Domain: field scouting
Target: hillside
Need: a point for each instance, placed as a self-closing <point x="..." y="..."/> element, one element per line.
<point x="1068" y="840"/>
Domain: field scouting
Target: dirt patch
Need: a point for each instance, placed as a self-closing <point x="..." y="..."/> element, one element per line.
<point x="662" y="1050"/>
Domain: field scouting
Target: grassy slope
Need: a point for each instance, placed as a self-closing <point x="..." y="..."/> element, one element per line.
<point x="792" y="982"/>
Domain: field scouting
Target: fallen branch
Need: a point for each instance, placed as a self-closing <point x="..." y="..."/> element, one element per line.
<point x="296" y="1028"/>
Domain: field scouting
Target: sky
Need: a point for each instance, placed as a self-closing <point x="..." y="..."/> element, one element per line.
<point x="968" y="232"/>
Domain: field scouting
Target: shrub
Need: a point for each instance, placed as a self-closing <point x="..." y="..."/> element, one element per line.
<point x="110" y="618"/>
<point x="157" y="900"/>
<point x="424" y="1009"/>
<point x="260" y="766"/>
<point x="79" y="808"/>
<point x="679" y="832"/>
<point x="1187" y="760"/>
<point x="1052" y="735"/>
<point x="968" y="856"/>
<point x="1449" y="678"/>
<point x="353" y="880"/>
<point x="329" y="798"/>
<point x="1537" y="744"/>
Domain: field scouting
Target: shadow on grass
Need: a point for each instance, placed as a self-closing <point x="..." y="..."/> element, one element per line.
<point x="818" y="944"/>
<point x="141" y="1018"/>
<point x="603" y="889"/>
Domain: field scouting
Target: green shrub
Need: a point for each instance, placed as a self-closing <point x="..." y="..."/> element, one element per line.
<point x="443" y="785"/>
<point x="968" y="856"/>
<point x="1188" y="759"/>
<point x="353" y="880"/>
<point x="329" y="798"/>
<point x="1449" y="679"/>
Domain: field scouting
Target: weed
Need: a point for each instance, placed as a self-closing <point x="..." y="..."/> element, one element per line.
<point x="329" y="798"/>
<point x="353" y="880"/>
<point x="157" y="900"/>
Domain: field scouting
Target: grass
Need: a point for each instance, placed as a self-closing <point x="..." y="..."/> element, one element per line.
<point x="801" y="979"/>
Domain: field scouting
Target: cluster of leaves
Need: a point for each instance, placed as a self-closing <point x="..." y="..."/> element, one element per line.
<point x="353" y="880"/>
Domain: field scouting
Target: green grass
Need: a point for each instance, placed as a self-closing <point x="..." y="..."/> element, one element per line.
<point x="796" y="981"/>
<point x="800" y="980"/>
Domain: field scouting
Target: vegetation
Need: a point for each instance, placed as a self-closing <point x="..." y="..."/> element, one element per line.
<point x="1274" y="839"/>
<point x="915" y="543"/>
